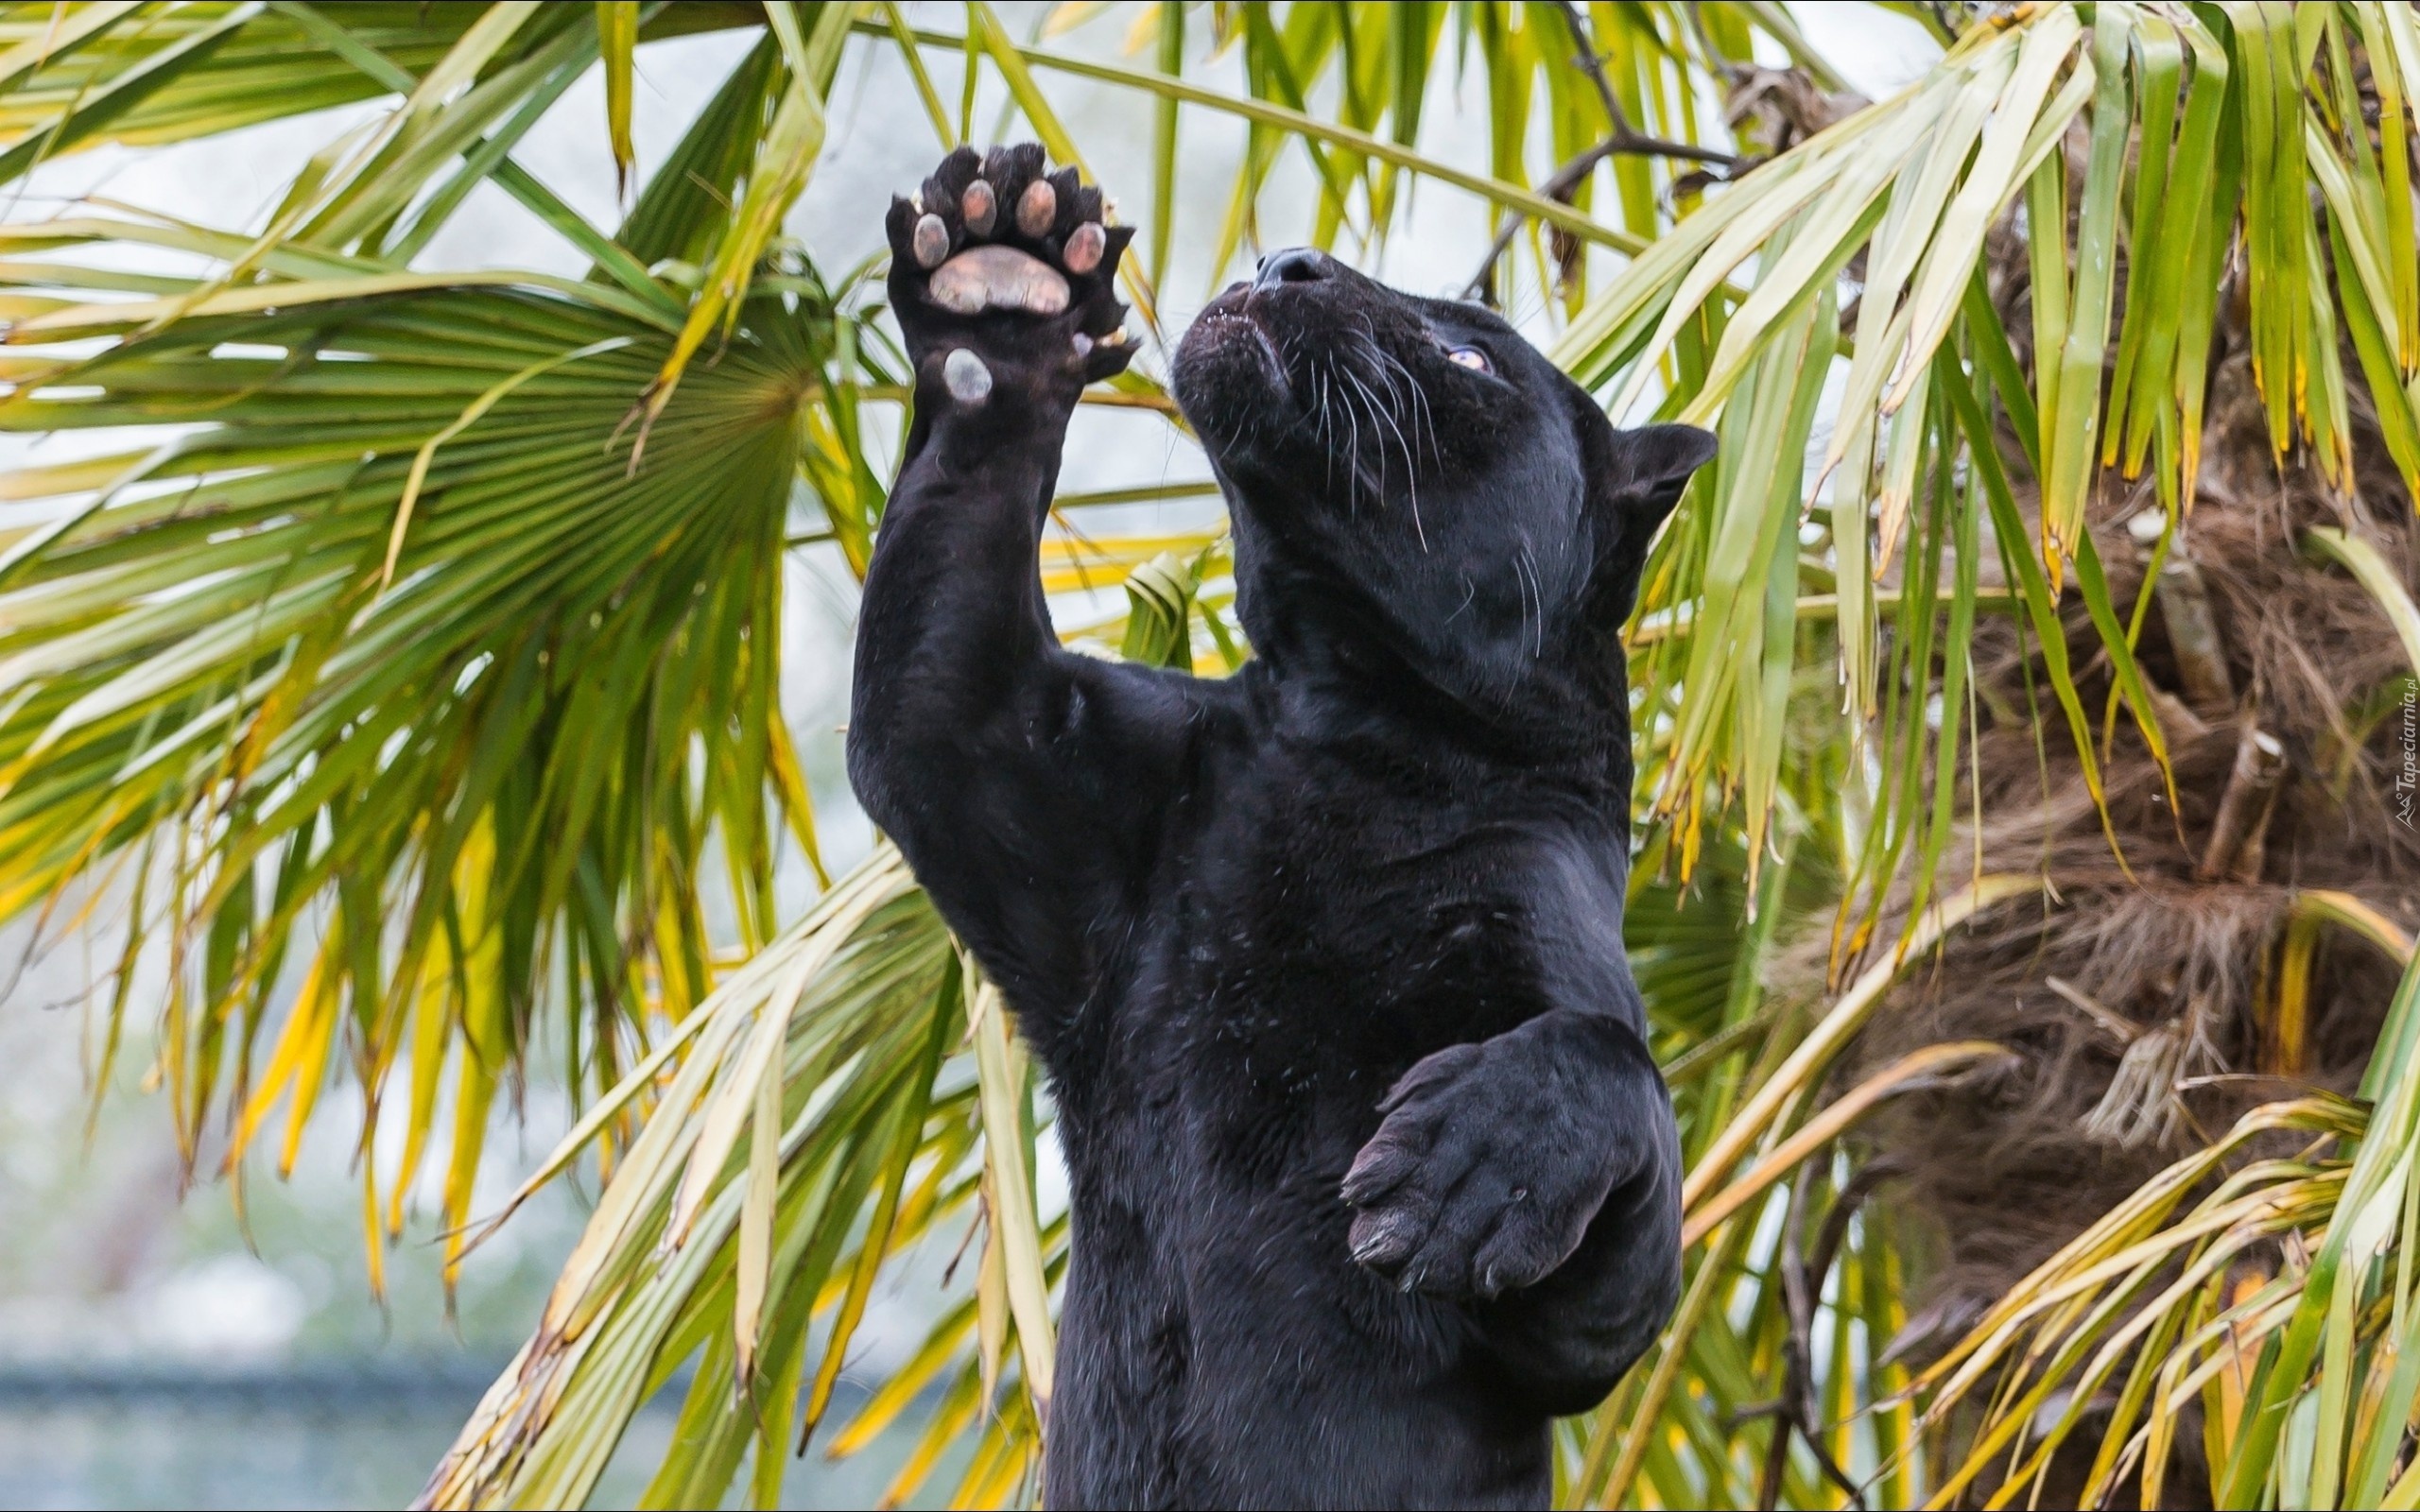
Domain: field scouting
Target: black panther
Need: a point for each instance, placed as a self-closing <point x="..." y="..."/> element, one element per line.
<point x="1371" y="1171"/>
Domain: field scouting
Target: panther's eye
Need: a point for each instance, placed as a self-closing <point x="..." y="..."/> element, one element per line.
<point x="1470" y="357"/>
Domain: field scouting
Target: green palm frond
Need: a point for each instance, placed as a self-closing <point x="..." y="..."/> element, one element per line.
<point x="144" y="72"/>
<point x="420" y="688"/>
<point x="339" y="653"/>
<point x="1911" y="187"/>
<point x="819" y="1109"/>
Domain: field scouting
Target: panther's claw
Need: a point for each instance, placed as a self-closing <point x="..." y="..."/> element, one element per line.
<point x="1445" y="1201"/>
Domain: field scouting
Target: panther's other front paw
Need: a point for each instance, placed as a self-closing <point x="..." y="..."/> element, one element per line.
<point x="1001" y="274"/>
<point x="1477" y="1182"/>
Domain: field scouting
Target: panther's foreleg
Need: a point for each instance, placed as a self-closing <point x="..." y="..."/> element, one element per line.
<point x="992" y="756"/>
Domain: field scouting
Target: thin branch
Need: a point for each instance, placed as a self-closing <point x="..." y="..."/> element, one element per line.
<point x="1803" y="1275"/>
<point x="1861" y="1186"/>
<point x="1624" y="140"/>
<point x="1796" y="1349"/>
<point x="1731" y="70"/>
<point x="1592" y="62"/>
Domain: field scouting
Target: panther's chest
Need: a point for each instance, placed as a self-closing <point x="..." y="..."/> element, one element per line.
<point x="1328" y="948"/>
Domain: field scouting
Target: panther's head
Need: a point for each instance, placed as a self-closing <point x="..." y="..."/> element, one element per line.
<point x="1417" y="493"/>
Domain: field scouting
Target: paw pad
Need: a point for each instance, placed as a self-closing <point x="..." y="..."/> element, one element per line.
<point x="1085" y="247"/>
<point x="932" y="241"/>
<point x="997" y="278"/>
<point x="963" y="374"/>
<point x="998" y="256"/>
<point x="1037" y="208"/>
<point x="979" y="206"/>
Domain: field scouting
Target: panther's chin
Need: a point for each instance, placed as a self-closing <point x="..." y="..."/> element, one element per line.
<point x="1227" y="373"/>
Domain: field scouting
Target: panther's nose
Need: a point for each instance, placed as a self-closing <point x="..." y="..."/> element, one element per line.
<point x="1294" y="265"/>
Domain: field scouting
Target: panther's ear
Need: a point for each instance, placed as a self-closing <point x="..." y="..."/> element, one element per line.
<point x="1650" y="468"/>
<point x="1635" y="477"/>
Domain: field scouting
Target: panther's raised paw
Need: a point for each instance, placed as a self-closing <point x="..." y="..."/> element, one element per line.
<point x="1012" y="265"/>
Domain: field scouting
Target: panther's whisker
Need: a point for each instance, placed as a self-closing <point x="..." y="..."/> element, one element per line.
<point x="1386" y="369"/>
<point x="1353" y="474"/>
<point x="1537" y="586"/>
<point x="1377" y="437"/>
<point x="1422" y="418"/>
<point x="1411" y="467"/>
<point x="1327" y="424"/>
<point x="1391" y="410"/>
<point x="1397" y="414"/>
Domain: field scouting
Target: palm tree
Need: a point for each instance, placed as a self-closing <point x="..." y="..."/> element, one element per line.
<point x="2027" y="878"/>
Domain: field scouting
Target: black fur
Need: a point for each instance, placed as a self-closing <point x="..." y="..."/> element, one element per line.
<point x="1371" y="1170"/>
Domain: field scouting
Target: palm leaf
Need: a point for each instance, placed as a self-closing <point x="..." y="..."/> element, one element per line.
<point x="361" y="621"/>
<point x="433" y="719"/>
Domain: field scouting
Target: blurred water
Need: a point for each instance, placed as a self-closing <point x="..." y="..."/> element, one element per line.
<point x="344" y="1436"/>
<point x="201" y="1442"/>
<point x="108" y="1455"/>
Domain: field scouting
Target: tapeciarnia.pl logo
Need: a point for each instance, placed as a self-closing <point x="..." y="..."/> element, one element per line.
<point x="2407" y="782"/>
